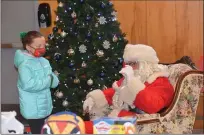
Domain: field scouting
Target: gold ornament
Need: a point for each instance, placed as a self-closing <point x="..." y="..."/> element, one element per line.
<point x="76" y="81"/>
<point x="63" y="34"/>
<point x="100" y="53"/>
<point x="70" y="52"/>
<point x="60" y="4"/>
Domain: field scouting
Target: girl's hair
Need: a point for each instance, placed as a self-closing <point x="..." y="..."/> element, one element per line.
<point x="28" y="38"/>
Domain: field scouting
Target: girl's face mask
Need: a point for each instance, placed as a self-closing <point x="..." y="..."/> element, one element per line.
<point x="39" y="52"/>
<point x="38" y="47"/>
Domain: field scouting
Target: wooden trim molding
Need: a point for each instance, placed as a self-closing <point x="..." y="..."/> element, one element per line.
<point x="6" y="45"/>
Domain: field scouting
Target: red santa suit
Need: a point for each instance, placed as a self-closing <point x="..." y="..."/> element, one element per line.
<point x="152" y="96"/>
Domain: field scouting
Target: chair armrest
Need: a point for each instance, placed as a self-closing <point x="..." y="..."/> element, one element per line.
<point x="147" y="118"/>
<point x="179" y="89"/>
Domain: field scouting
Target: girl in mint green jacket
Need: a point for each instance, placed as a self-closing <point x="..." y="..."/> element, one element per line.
<point x="35" y="78"/>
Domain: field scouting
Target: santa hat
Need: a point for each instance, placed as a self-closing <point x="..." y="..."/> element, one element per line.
<point x="140" y="52"/>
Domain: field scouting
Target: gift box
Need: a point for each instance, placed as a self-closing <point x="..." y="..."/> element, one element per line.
<point x="115" y="125"/>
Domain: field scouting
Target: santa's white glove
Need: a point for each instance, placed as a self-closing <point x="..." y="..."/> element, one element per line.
<point x="88" y="104"/>
<point x="127" y="72"/>
<point x="129" y="91"/>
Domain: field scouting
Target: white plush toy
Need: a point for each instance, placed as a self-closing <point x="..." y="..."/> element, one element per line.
<point x="9" y="124"/>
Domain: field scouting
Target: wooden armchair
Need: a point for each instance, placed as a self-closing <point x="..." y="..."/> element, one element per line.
<point x="179" y="117"/>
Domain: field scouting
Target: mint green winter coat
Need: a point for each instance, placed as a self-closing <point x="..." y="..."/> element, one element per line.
<point x="34" y="85"/>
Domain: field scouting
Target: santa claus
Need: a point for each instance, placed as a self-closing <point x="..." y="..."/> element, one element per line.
<point x="144" y="88"/>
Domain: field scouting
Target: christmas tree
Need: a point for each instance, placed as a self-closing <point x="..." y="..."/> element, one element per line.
<point x="85" y="50"/>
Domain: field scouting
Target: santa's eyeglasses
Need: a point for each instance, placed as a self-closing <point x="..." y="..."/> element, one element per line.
<point x="132" y="63"/>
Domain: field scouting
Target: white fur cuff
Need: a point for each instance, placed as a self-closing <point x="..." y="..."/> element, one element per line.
<point x="98" y="97"/>
<point x="115" y="86"/>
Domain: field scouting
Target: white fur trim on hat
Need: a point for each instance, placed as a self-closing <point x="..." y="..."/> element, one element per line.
<point x="140" y="52"/>
<point x="155" y="75"/>
<point x="98" y="98"/>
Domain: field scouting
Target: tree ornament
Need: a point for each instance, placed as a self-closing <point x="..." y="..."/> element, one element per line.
<point x="102" y="20"/>
<point x="116" y="64"/>
<point x="71" y="64"/>
<point x="82" y="1"/>
<point x="56" y="73"/>
<point x="83" y="64"/>
<point x="70" y="52"/>
<point x="114" y="13"/>
<point x="88" y="17"/>
<point x="115" y="38"/>
<point x="120" y="60"/>
<point x="102" y="74"/>
<point x="50" y="36"/>
<point x="65" y="103"/>
<point x="110" y="3"/>
<point x="103" y="5"/>
<point x="106" y="44"/>
<point x="55" y="29"/>
<point x="59" y="94"/>
<point x="57" y="18"/>
<point x="74" y="15"/>
<point x="82" y="48"/>
<point x="76" y="81"/>
<point x="60" y="4"/>
<point x="57" y="56"/>
<point x="100" y="53"/>
<point x="88" y="34"/>
<point x="63" y="34"/>
<point x="47" y="45"/>
<point x="90" y="82"/>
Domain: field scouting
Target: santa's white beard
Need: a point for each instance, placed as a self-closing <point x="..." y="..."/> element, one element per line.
<point x="142" y="73"/>
<point x="145" y="70"/>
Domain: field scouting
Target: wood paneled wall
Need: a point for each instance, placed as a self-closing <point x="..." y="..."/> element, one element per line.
<point x="173" y="28"/>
